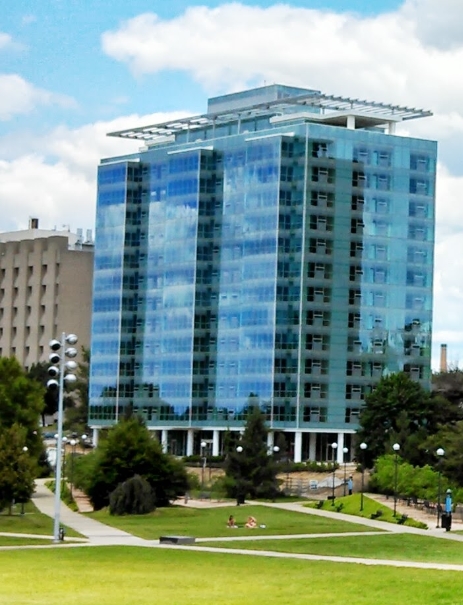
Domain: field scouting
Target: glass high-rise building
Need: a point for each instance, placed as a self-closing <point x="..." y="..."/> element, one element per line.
<point x="277" y="250"/>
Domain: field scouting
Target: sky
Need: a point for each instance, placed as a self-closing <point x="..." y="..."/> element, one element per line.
<point x="73" y="70"/>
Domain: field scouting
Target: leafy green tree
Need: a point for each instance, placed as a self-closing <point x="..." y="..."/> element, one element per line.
<point x="450" y="386"/>
<point x="21" y="402"/>
<point x="17" y="468"/>
<point x="76" y="417"/>
<point x="399" y="409"/>
<point x="449" y="437"/>
<point x="129" y="450"/>
<point x="39" y="373"/>
<point x="251" y="472"/>
<point x="132" y="497"/>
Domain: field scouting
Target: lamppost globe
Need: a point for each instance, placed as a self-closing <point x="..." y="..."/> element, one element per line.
<point x="276" y="449"/>
<point x="440" y="452"/>
<point x="363" y="446"/>
<point x="345" y="450"/>
<point x="25" y="448"/>
<point x="396" y="447"/>
<point x="203" y="444"/>
<point x="239" y="449"/>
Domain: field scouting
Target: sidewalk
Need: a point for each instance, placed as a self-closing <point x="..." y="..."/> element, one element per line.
<point x="98" y="533"/>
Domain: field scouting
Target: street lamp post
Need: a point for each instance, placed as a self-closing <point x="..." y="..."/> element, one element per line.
<point x="363" y="447"/>
<point x="73" y="443"/>
<point x="203" y="463"/>
<point x="239" y="450"/>
<point x="396" y="448"/>
<point x="344" y="452"/>
<point x="58" y="370"/>
<point x="25" y="450"/>
<point x="440" y="452"/>
<point x="334" y="447"/>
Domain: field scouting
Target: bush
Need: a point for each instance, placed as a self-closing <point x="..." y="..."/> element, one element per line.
<point x="132" y="497"/>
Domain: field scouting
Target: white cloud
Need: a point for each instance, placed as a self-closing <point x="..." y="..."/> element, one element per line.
<point x="233" y="45"/>
<point x="17" y="96"/>
<point x="56" y="178"/>
<point x="5" y="40"/>
<point x="437" y="23"/>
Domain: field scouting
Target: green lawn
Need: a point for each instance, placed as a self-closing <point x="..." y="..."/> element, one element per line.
<point x="32" y="522"/>
<point x="350" y="505"/>
<point x="400" y="547"/>
<point x="210" y="522"/>
<point x="143" y="576"/>
<point x="13" y="541"/>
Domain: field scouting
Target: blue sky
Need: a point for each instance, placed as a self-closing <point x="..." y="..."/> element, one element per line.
<point x="73" y="70"/>
<point x="61" y="51"/>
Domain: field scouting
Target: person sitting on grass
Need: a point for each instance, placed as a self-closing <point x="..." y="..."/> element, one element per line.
<point x="251" y="523"/>
<point x="231" y="522"/>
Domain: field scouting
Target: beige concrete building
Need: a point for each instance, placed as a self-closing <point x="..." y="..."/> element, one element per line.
<point x="45" y="288"/>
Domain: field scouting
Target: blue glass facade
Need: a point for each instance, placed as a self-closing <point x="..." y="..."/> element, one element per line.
<point x="286" y="263"/>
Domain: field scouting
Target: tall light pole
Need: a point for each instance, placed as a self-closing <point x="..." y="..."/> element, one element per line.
<point x="396" y="448"/>
<point x="239" y="450"/>
<point x="344" y="452"/>
<point x="363" y="447"/>
<point x="334" y="447"/>
<point x="25" y="450"/>
<point x="440" y="452"/>
<point x="58" y="369"/>
<point x="203" y="464"/>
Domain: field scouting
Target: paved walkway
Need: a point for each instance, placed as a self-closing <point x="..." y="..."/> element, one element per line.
<point x="99" y="534"/>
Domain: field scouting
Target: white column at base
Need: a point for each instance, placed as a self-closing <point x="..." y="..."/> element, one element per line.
<point x="189" y="442"/>
<point x="164" y="440"/>
<point x="340" y="453"/>
<point x="215" y="442"/>
<point x="270" y="440"/>
<point x="391" y="128"/>
<point x="95" y="434"/>
<point x="312" y="446"/>
<point x="351" y="122"/>
<point x="297" y="446"/>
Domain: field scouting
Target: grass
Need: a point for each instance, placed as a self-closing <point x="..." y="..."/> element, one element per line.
<point x="14" y="541"/>
<point x="32" y="522"/>
<point x="350" y="505"/>
<point x="210" y="522"/>
<point x="141" y="576"/>
<point x="400" y="547"/>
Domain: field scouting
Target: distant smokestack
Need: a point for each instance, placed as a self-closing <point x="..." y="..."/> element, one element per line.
<point x="33" y="223"/>
<point x="443" y="358"/>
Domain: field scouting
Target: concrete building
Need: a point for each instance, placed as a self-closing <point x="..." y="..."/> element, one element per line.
<point x="45" y="288"/>
<point x="277" y="250"/>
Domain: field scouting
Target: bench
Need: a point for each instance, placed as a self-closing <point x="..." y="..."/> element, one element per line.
<point x="177" y="540"/>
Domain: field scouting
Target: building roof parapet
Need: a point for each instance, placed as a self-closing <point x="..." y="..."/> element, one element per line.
<point x="315" y="106"/>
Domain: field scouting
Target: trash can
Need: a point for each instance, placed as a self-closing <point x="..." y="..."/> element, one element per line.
<point x="61" y="533"/>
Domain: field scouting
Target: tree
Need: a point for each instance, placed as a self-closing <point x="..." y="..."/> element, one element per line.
<point x="132" y="497"/>
<point x="21" y="402"/>
<point x="39" y="373"/>
<point x="251" y="471"/>
<point x="77" y="396"/>
<point x="130" y="450"/>
<point x="450" y="385"/>
<point x="16" y="467"/>
<point x="399" y="409"/>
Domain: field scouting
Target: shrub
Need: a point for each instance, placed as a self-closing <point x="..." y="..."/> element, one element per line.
<point x="132" y="497"/>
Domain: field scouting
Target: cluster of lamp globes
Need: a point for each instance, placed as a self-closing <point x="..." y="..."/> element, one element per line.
<point x="60" y="364"/>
